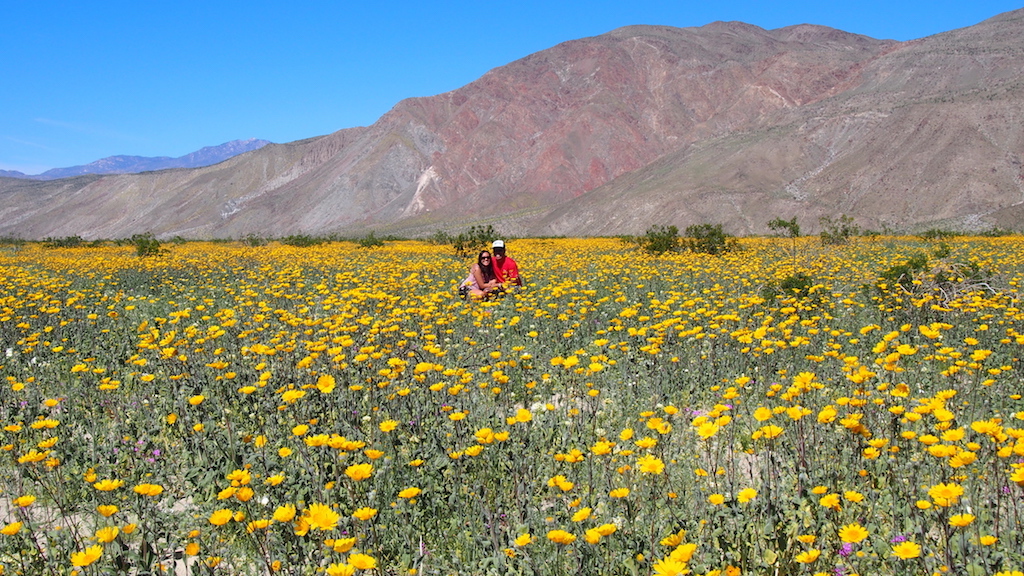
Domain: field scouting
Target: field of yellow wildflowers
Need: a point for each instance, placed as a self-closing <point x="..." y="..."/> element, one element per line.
<point x="224" y="409"/>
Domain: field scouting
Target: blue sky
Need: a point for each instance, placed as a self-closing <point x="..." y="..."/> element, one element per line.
<point x="80" y="81"/>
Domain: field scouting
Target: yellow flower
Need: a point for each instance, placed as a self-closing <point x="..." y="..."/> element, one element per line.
<point x="340" y="570"/>
<point x="107" y="485"/>
<point x="365" y="513"/>
<point x="961" y="520"/>
<point x="221" y="517"/>
<point x="257" y="525"/>
<point x="988" y="540"/>
<point x="87" y="556"/>
<point x="362" y="561"/>
<point x="285" y="513"/>
<point x="746" y="495"/>
<point x="11" y="529"/>
<point x="581" y="515"/>
<point x="808" y="556"/>
<point x="716" y="499"/>
<point x="771" y="431"/>
<point x="853" y="533"/>
<point x="321" y="517"/>
<point x="523" y="539"/>
<point x="683" y="552"/>
<point x="650" y="464"/>
<point x="342" y="545"/>
<point x="707" y="430"/>
<point x="107" y="534"/>
<point x="149" y="489"/>
<point x="946" y="494"/>
<point x="411" y="492"/>
<point x="670" y="567"/>
<point x="107" y="510"/>
<point x="673" y="540"/>
<point x="325" y="383"/>
<point x="906" y="550"/>
<point x="561" y="537"/>
<point x="359" y="472"/>
<point x="830" y="501"/>
<point x="24" y="501"/>
<point x="388" y="425"/>
<point x="196" y="400"/>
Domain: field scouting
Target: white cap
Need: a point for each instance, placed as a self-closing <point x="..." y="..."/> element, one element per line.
<point x="498" y="244"/>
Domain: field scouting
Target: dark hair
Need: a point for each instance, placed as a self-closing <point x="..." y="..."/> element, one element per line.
<point x="486" y="270"/>
<point x="498" y="250"/>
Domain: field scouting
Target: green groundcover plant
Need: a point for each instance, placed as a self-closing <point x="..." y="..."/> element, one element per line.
<point x="262" y="408"/>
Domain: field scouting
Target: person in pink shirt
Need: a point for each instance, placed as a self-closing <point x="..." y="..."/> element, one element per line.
<point x="481" y="281"/>
<point x="505" y="269"/>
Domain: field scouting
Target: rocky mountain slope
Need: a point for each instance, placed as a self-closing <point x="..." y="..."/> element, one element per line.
<point x="725" y="123"/>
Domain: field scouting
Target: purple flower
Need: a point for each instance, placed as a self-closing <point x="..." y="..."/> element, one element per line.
<point x="846" y="550"/>
<point x="897" y="539"/>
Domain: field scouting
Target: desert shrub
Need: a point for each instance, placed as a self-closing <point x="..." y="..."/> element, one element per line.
<point x="440" y="238"/>
<point x="835" y="231"/>
<point x="937" y="234"/>
<point x="904" y="274"/>
<point x="370" y="241"/>
<point x="303" y="240"/>
<point x="475" y="237"/>
<point x="798" y="285"/>
<point x="996" y="232"/>
<point x="146" y="245"/>
<point x="660" y="239"/>
<point x="942" y="251"/>
<point x="65" y="242"/>
<point x="254" y="240"/>
<point x="943" y="281"/>
<point x="789" y="227"/>
<point x="709" y="239"/>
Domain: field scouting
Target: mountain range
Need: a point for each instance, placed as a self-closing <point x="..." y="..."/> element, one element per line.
<point x="726" y="123"/>
<point x="206" y="156"/>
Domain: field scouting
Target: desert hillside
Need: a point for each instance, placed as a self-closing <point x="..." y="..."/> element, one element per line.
<point x="644" y="125"/>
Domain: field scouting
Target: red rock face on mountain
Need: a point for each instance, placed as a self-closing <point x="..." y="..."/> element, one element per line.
<point x="555" y="125"/>
<point x="607" y="135"/>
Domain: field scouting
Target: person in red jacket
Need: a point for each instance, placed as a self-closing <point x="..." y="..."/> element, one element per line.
<point x="505" y="269"/>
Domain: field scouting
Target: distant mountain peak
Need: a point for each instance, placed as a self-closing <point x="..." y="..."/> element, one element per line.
<point x="122" y="164"/>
